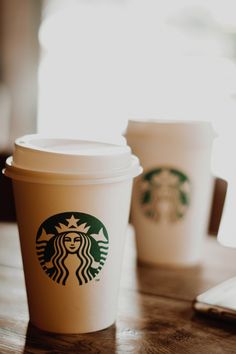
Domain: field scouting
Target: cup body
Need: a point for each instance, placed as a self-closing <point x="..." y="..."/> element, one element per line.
<point x="72" y="307"/>
<point x="171" y="199"/>
<point x="72" y="232"/>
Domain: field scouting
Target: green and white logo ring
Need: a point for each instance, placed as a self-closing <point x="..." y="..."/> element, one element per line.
<point x="72" y="236"/>
<point x="165" y="194"/>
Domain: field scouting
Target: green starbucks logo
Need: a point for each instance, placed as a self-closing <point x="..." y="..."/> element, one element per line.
<point x="72" y="244"/>
<point x="165" y="194"/>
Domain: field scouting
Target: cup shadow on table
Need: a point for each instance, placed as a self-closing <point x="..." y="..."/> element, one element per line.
<point x="38" y="341"/>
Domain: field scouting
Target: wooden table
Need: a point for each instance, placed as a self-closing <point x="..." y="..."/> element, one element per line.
<point x="154" y="313"/>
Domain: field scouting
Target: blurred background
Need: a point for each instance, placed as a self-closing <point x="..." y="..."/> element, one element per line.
<point x="82" y="68"/>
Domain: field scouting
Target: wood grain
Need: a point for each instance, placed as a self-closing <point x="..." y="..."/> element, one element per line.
<point x="154" y="312"/>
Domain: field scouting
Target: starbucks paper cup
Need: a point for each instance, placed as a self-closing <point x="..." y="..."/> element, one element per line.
<point x="171" y="199"/>
<point x="72" y="201"/>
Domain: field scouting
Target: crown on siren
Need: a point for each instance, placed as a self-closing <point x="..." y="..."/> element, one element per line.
<point x="72" y="226"/>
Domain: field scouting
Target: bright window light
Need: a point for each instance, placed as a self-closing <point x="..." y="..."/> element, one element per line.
<point x="106" y="61"/>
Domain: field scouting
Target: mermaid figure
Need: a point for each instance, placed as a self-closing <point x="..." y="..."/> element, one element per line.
<point x="54" y="251"/>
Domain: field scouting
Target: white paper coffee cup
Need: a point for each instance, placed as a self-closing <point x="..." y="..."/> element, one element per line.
<point x="171" y="199"/>
<point x="72" y="202"/>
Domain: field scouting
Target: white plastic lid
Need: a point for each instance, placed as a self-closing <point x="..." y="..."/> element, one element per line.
<point x="183" y="132"/>
<point x="55" y="160"/>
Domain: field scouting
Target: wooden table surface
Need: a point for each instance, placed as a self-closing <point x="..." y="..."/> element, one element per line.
<point x="154" y="312"/>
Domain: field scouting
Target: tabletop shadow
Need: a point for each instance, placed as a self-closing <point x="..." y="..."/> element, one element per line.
<point x="38" y="341"/>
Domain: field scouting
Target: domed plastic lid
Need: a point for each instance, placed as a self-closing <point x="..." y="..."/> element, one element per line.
<point x="55" y="160"/>
<point x="182" y="132"/>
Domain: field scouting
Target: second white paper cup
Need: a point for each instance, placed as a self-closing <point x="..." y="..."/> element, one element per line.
<point x="171" y="199"/>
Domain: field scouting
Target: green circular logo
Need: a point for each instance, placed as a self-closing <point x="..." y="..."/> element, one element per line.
<point x="165" y="194"/>
<point x="72" y="244"/>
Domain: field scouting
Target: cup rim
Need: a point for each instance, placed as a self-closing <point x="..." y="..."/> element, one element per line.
<point x="191" y="133"/>
<point x="26" y="175"/>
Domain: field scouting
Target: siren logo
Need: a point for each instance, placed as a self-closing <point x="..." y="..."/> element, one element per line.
<point x="165" y="194"/>
<point x="72" y="246"/>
